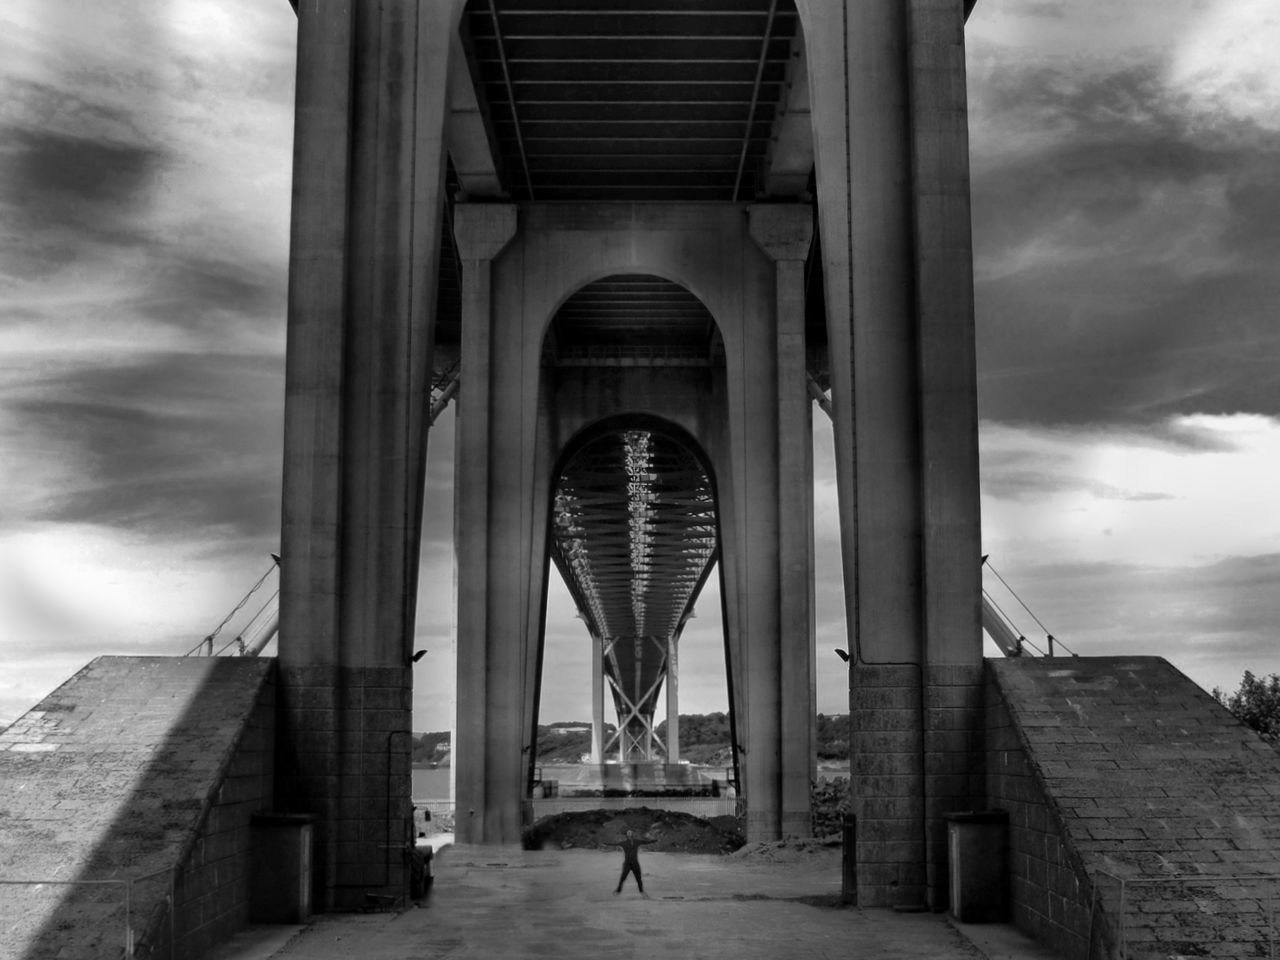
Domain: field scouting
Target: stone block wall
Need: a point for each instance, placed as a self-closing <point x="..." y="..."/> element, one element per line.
<point x="1140" y="803"/>
<point x="212" y="887"/>
<point x="916" y="755"/>
<point x="887" y="779"/>
<point x="1049" y="894"/>
<point x="344" y="749"/>
<point x="125" y="775"/>
<point x="953" y="744"/>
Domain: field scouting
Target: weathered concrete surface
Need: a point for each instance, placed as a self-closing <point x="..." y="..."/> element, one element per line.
<point x="515" y="419"/>
<point x="369" y="165"/>
<point x="121" y="772"/>
<point x="506" y="903"/>
<point x="1121" y="767"/>
<point x="891" y="160"/>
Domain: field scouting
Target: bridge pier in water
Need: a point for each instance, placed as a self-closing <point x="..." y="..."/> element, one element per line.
<point x="398" y="101"/>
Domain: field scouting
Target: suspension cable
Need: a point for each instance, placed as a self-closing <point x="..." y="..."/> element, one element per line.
<point x="208" y="641"/>
<point x="1049" y="636"/>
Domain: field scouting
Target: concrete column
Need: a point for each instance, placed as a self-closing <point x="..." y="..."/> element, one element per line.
<point x="751" y="366"/>
<point x="951" y="543"/>
<point x="597" y="700"/>
<point x="888" y="108"/>
<point x="785" y="232"/>
<point x="480" y="233"/>
<point x="369" y="170"/>
<point x="535" y="521"/>
<point x="858" y="82"/>
<point x="673" y="701"/>
<point x="311" y="514"/>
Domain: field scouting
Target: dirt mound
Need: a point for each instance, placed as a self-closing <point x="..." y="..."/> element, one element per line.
<point x="795" y="848"/>
<point x="673" y="832"/>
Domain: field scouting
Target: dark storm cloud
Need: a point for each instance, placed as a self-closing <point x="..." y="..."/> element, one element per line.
<point x="65" y="197"/>
<point x="70" y="170"/>
<point x="75" y="200"/>
<point x="1125" y="247"/>
<point x="172" y="443"/>
<point x="200" y="293"/>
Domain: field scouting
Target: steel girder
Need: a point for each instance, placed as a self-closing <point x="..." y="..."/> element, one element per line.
<point x="634" y="535"/>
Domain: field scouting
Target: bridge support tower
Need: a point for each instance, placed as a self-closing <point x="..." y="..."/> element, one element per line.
<point x="378" y="108"/>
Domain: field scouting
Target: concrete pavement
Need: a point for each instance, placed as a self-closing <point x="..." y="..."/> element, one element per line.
<point x="507" y="903"/>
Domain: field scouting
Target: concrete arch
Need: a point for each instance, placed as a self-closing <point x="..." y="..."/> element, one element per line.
<point x="577" y="284"/>
<point x="560" y="250"/>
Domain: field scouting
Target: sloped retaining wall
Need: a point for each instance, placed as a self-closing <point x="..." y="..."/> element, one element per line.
<point x="136" y="767"/>
<point x="1143" y="815"/>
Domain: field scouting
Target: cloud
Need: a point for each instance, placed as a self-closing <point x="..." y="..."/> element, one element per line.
<point x="144" y="164"/>
<point x="1129" y="496"/>
<point x="1185" y="569"/>
<point x="174" y="444"/>
<point x="1213" y="621"/>
<point x="1124" y="242"/>
<point x="1226" y="60"/>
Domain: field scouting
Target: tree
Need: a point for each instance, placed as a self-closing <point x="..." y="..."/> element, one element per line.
<point x="1256" y="704"/>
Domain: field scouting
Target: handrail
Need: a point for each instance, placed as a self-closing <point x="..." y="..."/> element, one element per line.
<point x="1011" y="641"/>
<point x="207" y="642"/>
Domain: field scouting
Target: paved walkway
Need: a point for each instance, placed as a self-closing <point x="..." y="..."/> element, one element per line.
<point x="507" y="903"/>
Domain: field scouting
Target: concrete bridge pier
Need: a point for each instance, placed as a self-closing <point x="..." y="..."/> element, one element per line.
<point x="891" y="156"/>
<point x="368" y="189"/>
<point x="885" y="82"/>
<point x="521" y="412"/>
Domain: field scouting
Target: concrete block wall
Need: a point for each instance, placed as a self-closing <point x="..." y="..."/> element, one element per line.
<point x="344" y="749"/>
<point x="212" y="886"/>
<point x="886" y="779"/>
<point x="122" y="774"/>
<point x="953" y="746"/>
<point x="916" y="755"/>
<point x="1139" y="799"/>
<point x="1048" y="889"/>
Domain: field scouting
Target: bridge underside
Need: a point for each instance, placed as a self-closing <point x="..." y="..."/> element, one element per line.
<point x="609" y="229"/>
<point x="634" y="536"/>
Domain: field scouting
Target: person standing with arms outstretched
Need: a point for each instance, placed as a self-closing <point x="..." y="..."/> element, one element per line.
<point x="631" y="860"/>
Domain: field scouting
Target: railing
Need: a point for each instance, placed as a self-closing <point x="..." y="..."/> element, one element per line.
<point x="256" y="633"/>
<point x="1011" y="641"/>
<point x="129" y="937"/>
<point x="1217" y="916"/>
<point x="1000" y="625"/>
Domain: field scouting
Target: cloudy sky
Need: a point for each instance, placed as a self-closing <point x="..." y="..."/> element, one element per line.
<point x="1126" y="197"/>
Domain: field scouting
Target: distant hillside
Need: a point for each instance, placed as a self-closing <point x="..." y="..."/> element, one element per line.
<point x="704" y="738"/>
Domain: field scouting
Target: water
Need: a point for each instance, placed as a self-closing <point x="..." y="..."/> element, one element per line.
<point x="431" y="784"/>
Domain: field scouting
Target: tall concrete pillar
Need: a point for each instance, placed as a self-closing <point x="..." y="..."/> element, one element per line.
<point x="485" y="669"/>
<point x="673" y="700"/>
<point x="368" y="186"/>
<point x="952" y="535"/>
<point x="756" y="518"/>
<point x="887" y="82"/>
<point x="597" y="699"/>
<point x="785" y="232"/>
